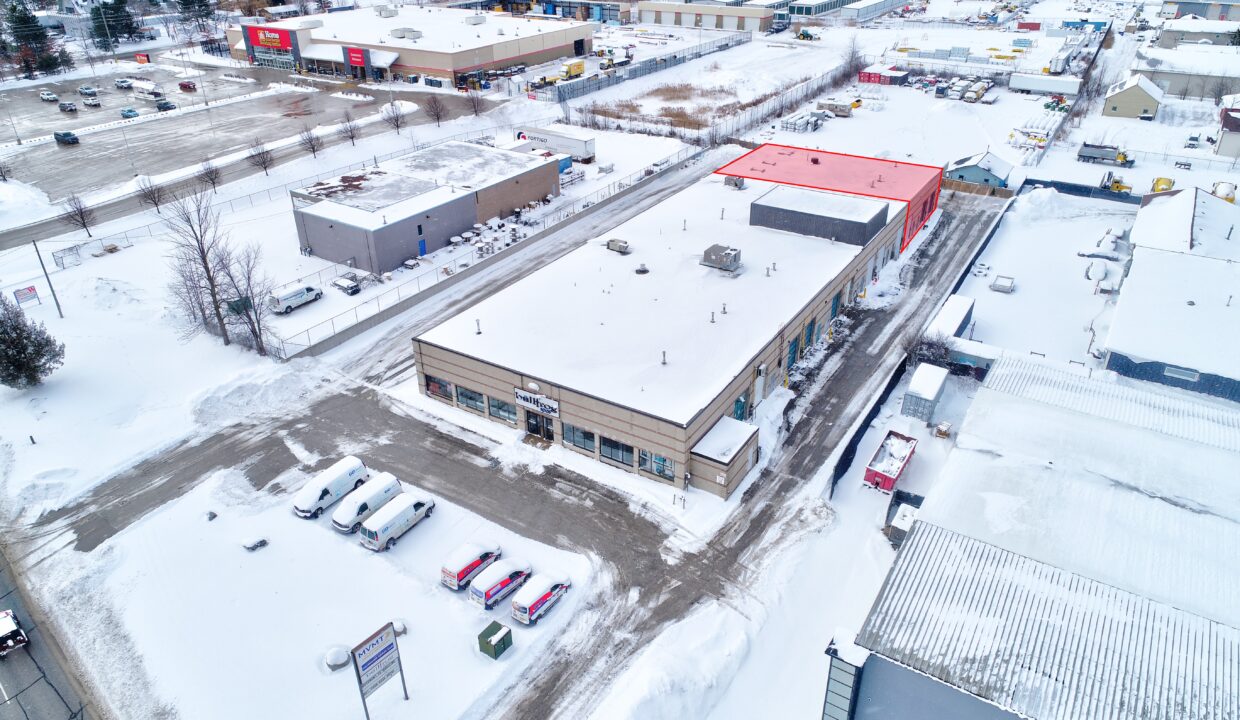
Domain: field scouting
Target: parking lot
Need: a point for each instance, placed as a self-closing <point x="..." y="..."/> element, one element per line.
<point x="112" y="156"/>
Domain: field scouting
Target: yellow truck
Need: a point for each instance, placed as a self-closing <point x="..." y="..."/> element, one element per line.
<point x="572" y="69"/>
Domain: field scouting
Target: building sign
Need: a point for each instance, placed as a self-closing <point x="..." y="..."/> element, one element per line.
<point x="357" y="56"/>
<point x="270" y="38"/>
<point x="537" y="403"/>
<point x="142" y="58"/>
<point x="376" y="661"/>
<point x="25" y="295"/>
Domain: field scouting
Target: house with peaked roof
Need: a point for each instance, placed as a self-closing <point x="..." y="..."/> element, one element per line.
<point x="984" y="168"/>
<point x="1229" y="128"/>
<point x="1136" y="97"/>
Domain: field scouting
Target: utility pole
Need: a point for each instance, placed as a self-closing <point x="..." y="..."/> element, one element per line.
<point x="11" y="122"/>
<point x="48" y="278"/>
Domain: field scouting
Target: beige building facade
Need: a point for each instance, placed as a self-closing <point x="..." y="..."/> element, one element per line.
<point x="686" y="453"/>
<point x="1136" y="97"/>
<point x="711" y="17"/>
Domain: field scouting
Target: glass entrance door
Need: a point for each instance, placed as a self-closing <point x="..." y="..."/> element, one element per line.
<point x="540" y="425"/>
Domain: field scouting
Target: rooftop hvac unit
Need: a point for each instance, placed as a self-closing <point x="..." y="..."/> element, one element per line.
<point x="310" y="24"/>
<point x="475" y="19"/>
<point x="618" y="245"/>
<point x="734" y="181"/>
<point x="384" y="11"/>
<point x="722" y="257"/>
<point x="407" y="33"/>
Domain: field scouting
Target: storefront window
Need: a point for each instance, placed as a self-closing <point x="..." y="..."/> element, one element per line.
<point x="583" y="439"/>
<point x="616" y="451"/>
<point x="658" y="465"/>
<point x="503" y="410"/>
<point x="469" y="398"/>
<point x="438" y="388"/>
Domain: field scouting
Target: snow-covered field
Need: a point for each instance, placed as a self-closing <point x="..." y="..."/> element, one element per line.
<point x="222" y="632"/>
<point x="1055" y="304"/>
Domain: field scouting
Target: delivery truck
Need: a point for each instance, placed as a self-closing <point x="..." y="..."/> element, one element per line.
<point x="577" y="143"/>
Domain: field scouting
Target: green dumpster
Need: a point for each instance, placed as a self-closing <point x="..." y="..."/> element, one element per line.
<point x="494" y="640"/>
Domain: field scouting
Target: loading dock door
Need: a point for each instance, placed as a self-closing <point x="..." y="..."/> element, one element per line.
<point x="729" y="22"/>
<point x="579" y="47"/>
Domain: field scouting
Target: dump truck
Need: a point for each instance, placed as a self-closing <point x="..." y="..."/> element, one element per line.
<point x="572" y="69"/>
<point x="1104" y="153"/>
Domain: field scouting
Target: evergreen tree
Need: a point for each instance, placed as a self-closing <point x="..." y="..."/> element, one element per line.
<point x="65" y="60"/>
<point x="24" y="28"/>
<point x="195" y="11"/>
<point x="100" y="31"/>
<point x="27" y="352"/>
<point x="1235" y="37"/>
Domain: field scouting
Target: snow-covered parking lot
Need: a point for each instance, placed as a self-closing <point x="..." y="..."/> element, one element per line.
<point x="261" y="624"/>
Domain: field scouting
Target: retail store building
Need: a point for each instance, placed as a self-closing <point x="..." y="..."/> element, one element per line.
<point x="650" y="348"/>
<point x="388" y="42"/>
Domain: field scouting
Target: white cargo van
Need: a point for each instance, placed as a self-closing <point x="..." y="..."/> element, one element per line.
<point x="382" y="530"/>
<point x="283" y="302"/>
<point x="365" y="501"/>
<point x="498" y="582"/>
<point x="465" y="562"/>
<point x="327" y="487"/>
<point x="538" y="596"/>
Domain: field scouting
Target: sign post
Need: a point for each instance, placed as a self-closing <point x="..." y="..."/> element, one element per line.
<point x="377" y="660"/>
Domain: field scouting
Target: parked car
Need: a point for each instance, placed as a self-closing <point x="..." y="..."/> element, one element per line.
<point x="165" y="105"/>
<point x="68" y="107"/>
<point x="538" y="596"/>
<point x="464" y="563"/>
<point x="324" y="489"/>
<point x="129" y="113"/>
<point x="188" y="85"/>
<point x="365" y="501"/>
<point x="65" y="138"/>
<point x="347" y="284"/>
<point x="91" y="102"/>
<point x="12" y="636"/>
<point x="48" y="96"/>
<point x="394" y="519"/>
<point x="285" y="301"/>
<point x="124" y="83"/>
<point x="498" y="582"/>
<point x="87" y="91"/>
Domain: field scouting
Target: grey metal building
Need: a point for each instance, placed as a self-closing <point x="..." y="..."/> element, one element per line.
<point x="845" y="218"/>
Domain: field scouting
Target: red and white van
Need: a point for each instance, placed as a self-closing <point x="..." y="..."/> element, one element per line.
<point x="537" y="597"/>
<point x="499" y="581"/>
<point x="464" y="563"/>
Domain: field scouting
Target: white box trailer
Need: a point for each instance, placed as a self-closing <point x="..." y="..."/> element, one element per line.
<point x="575" y="142"/>
<point x="1045" y="84"/>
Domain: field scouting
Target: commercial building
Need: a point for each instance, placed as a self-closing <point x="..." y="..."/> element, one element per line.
<point x="1177" y="321"/>
<point x="1198" y="71"/>
<point x="389" y="42"/>
<point x="913" y="185"/>
<point x="720" y="17"/>
<point x="985" y="168"/>
<point x="376" y="218"/>
<point x="1228" y="143"/>
<point x="864" y="10"/>
<point x="1136" y="97"/>
<point x="1209" y="9"/>
<point x="1049" y="575"/>
<point x="814" y="8"/>
<point x="660" y="341"/>
<point x="1195" y="30"/>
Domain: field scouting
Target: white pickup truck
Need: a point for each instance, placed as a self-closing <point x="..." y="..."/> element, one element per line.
<point x="11" y="634"/>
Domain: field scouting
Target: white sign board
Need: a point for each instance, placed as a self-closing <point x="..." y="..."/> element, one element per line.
<point x="25" y="295"/>
<point x="537" y="403"/>
<point x="376" y="661"/>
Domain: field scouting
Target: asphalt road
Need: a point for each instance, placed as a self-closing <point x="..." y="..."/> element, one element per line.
<point x="33" y="685"/>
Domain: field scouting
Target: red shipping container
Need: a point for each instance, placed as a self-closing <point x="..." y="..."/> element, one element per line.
<point x="889" y="461"/>
<point x="1028" y="26"/>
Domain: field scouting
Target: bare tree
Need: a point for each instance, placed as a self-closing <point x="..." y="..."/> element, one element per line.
<point x="209" y="174"/>
<point x="150" y="193"/>
<point x="78" y="213"/>
<point x="310" y="141"/>
<point x="476" y="103"/>
<point x="348" y="129"/>
<point x="6" y="171"/>
<point x="261" y="156"/>
<point x="853" y="62"/>
<point x="199" y="255"/>
<point x="1221" y="87"/>
<point x="395" y="117"/>
<point x="303" y="7"/>
<point x="248" y="286"/>
<point x="435" y="109"/>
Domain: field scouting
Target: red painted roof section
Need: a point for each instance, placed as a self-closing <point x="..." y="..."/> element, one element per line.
<point x="887" y="179"/>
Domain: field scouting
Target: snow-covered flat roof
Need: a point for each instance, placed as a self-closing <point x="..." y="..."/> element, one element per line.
<point x="369" y="189"/>
<point x="823" y="170"/>
<point x="950" y="316"/>
<point x="601" y="329"/>
<point x="1220" y="60"/>
<point x="443" y="29"/>
<point x="1067" y="480"/>
<point x="725" y="439"/>
<point x="927" y="381"/>
<point x="1201" y="25"/>
<point x="371" y="219"/>
<point x="824" y="204"/>
<point x="1180" y="309"/>
<point x="465" y="165"/>
<point x="1046" y="643"/>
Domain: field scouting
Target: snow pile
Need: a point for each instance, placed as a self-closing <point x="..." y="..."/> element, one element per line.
<point x="891" y="455"/>
<point x="20" y="204"/>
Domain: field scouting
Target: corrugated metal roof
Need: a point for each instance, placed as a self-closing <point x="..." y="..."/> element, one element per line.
<point x="1046" y="643"/>
<point x="1198" y="419"/>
